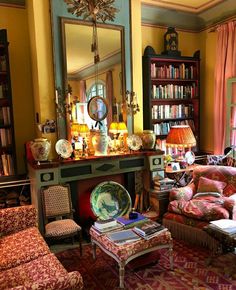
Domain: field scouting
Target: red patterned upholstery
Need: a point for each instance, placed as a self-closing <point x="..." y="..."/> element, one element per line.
<point x="43" y="273"/>
<point x="187" y="209"/>
<point x="25" y="259"/>
<point x="17" y="218"/>
<point x="29" y="239"/>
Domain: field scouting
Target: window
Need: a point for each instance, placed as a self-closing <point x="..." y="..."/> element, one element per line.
<point x="231" y="113"/>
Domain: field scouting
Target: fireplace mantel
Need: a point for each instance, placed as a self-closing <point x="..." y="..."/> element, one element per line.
<point x="66" y="171"/>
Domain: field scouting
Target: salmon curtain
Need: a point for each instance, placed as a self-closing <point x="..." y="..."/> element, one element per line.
<point x="82" y="91"/>
<point x="225" y="68"/>
<point x="109" y="96"/>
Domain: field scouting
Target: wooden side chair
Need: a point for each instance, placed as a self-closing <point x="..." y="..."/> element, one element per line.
<point x="58" y="214"/>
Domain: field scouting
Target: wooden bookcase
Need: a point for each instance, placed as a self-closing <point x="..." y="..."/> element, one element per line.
<point x="7" y="140"/>
<point x="171" y="92"/>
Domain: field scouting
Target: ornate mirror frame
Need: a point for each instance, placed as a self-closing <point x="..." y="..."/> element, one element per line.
<point x="59" y="11"/>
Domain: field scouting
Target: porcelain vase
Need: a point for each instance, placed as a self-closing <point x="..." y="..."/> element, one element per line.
<point x="40" y="149"/>
<point x="100" y="142"/>
<point x="148" y="139"/>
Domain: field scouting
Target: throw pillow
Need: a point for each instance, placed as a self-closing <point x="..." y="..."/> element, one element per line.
<point x="210" y="185"/>
<point x="202" y="194"/>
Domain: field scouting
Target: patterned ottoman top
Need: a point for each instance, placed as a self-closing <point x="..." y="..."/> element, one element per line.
<point x="123" y="252"/>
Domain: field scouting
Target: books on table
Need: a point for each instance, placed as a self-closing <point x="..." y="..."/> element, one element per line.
<point x="126" y="222"/>
<point x="102" y="224"/>
<point x="225" y="226"/>
<point x="149" y="229"/>
<point x="124" y="236"/>
<point x="117" y="227"/>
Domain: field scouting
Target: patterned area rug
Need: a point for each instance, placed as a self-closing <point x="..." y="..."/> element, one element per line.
<point x="190" y="270"/>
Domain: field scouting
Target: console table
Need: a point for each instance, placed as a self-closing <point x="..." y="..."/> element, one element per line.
<point x="92" y="167"/>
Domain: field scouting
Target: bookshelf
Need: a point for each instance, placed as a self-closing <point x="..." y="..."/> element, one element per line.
<point x="171" y="92"/>
<point x="7" y="142"/>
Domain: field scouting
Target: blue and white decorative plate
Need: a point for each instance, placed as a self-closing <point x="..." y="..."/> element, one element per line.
<point x="110" y="199"/>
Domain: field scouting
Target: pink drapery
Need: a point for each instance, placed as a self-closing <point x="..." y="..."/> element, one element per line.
<point x="82" y="91"/>
<point x="109" y="96"/>
<point x="225" y="68"/>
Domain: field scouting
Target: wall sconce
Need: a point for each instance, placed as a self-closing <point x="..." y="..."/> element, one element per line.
<point x="132" y="103"/>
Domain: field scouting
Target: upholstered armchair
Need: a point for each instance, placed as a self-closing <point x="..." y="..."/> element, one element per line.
<point x="211" y="195"/>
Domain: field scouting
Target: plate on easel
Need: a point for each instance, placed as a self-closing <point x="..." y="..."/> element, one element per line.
<point x="110" y="199"/>
<point x="134" y="142"/>
<point x="64" y="148"/>
<point x="189" y="157"/>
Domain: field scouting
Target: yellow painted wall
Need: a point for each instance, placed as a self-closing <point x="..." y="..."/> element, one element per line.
<point x="15" y="21"/>
<point x="42" y="65"/>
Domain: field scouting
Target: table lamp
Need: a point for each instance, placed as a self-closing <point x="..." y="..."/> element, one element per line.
<point x="83" y="130"/>
<point x="180" y="137"/>
<point x="114" y="130"/>
<point x="122" y="129"/>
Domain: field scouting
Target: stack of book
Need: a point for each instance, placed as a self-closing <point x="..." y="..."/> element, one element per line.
<point x="149" y="229"/>
<point x="225" y="226"/>
<point x="123" y="237"/>
<point x="163" y="184"/>
<point x="104" y="226"/>
<point x="130" y="223"/>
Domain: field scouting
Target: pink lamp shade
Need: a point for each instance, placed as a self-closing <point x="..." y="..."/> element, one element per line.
<point x="180" y="137"/>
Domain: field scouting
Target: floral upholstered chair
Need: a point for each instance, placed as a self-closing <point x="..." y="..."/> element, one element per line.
<point x="211" y="195"/>
<point x="58" y="214"/>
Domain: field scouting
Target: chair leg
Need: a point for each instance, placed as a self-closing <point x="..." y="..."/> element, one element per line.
<point x="80" y="242"/>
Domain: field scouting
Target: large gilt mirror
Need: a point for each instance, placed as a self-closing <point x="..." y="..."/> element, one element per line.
<point x="71" y="64"/>
<point x="85" y="79"/>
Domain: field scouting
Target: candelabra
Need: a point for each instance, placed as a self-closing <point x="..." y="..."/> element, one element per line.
<point x="132" y="103"/>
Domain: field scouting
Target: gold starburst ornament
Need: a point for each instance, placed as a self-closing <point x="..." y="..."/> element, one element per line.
<point x="95" y="9"/>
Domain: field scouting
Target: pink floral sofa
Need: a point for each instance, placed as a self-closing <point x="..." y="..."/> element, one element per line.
<point x="25" y="259"/>
<point x="211" y="195"/>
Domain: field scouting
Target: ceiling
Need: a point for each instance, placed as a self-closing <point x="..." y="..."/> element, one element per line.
<point x="193" y="15"/>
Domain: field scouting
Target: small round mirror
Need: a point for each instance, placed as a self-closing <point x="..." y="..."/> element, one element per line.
<point x="97" y="108"/>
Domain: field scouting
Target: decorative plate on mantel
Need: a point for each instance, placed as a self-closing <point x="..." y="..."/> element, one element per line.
<point x="64" y="148"/>
<point x="134" y="142"/>
<point x="110" y="199"/>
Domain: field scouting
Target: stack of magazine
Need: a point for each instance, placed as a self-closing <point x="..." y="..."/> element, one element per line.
<point x="104" y="226"/>
<point x="123" y="237"/>
<point x="149" y="229"/>
<point x="225" y="226"/>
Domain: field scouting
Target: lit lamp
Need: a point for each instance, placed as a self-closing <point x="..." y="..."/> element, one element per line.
<point x="122" y="129"/>
<point x="180" y="137"/>
<point x="83" y="130"/>
<point x="114" y="130"/>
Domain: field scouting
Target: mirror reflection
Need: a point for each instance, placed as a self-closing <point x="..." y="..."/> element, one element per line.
<point x="87" y="80"/>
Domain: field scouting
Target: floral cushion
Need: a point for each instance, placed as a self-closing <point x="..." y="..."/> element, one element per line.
<point x="21" y="247"/>
<point x="15" y="219"/>
<point x="204" y="207"/>
<point x="210" y="185"/>
<point x="43" y="273"/>
<point x="123" y="252"/>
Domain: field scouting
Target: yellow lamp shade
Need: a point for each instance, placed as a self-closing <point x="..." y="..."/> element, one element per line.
<point x="113" y="128"/>
<point x="122" y="127"/>
<point x="83" y="128"/>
